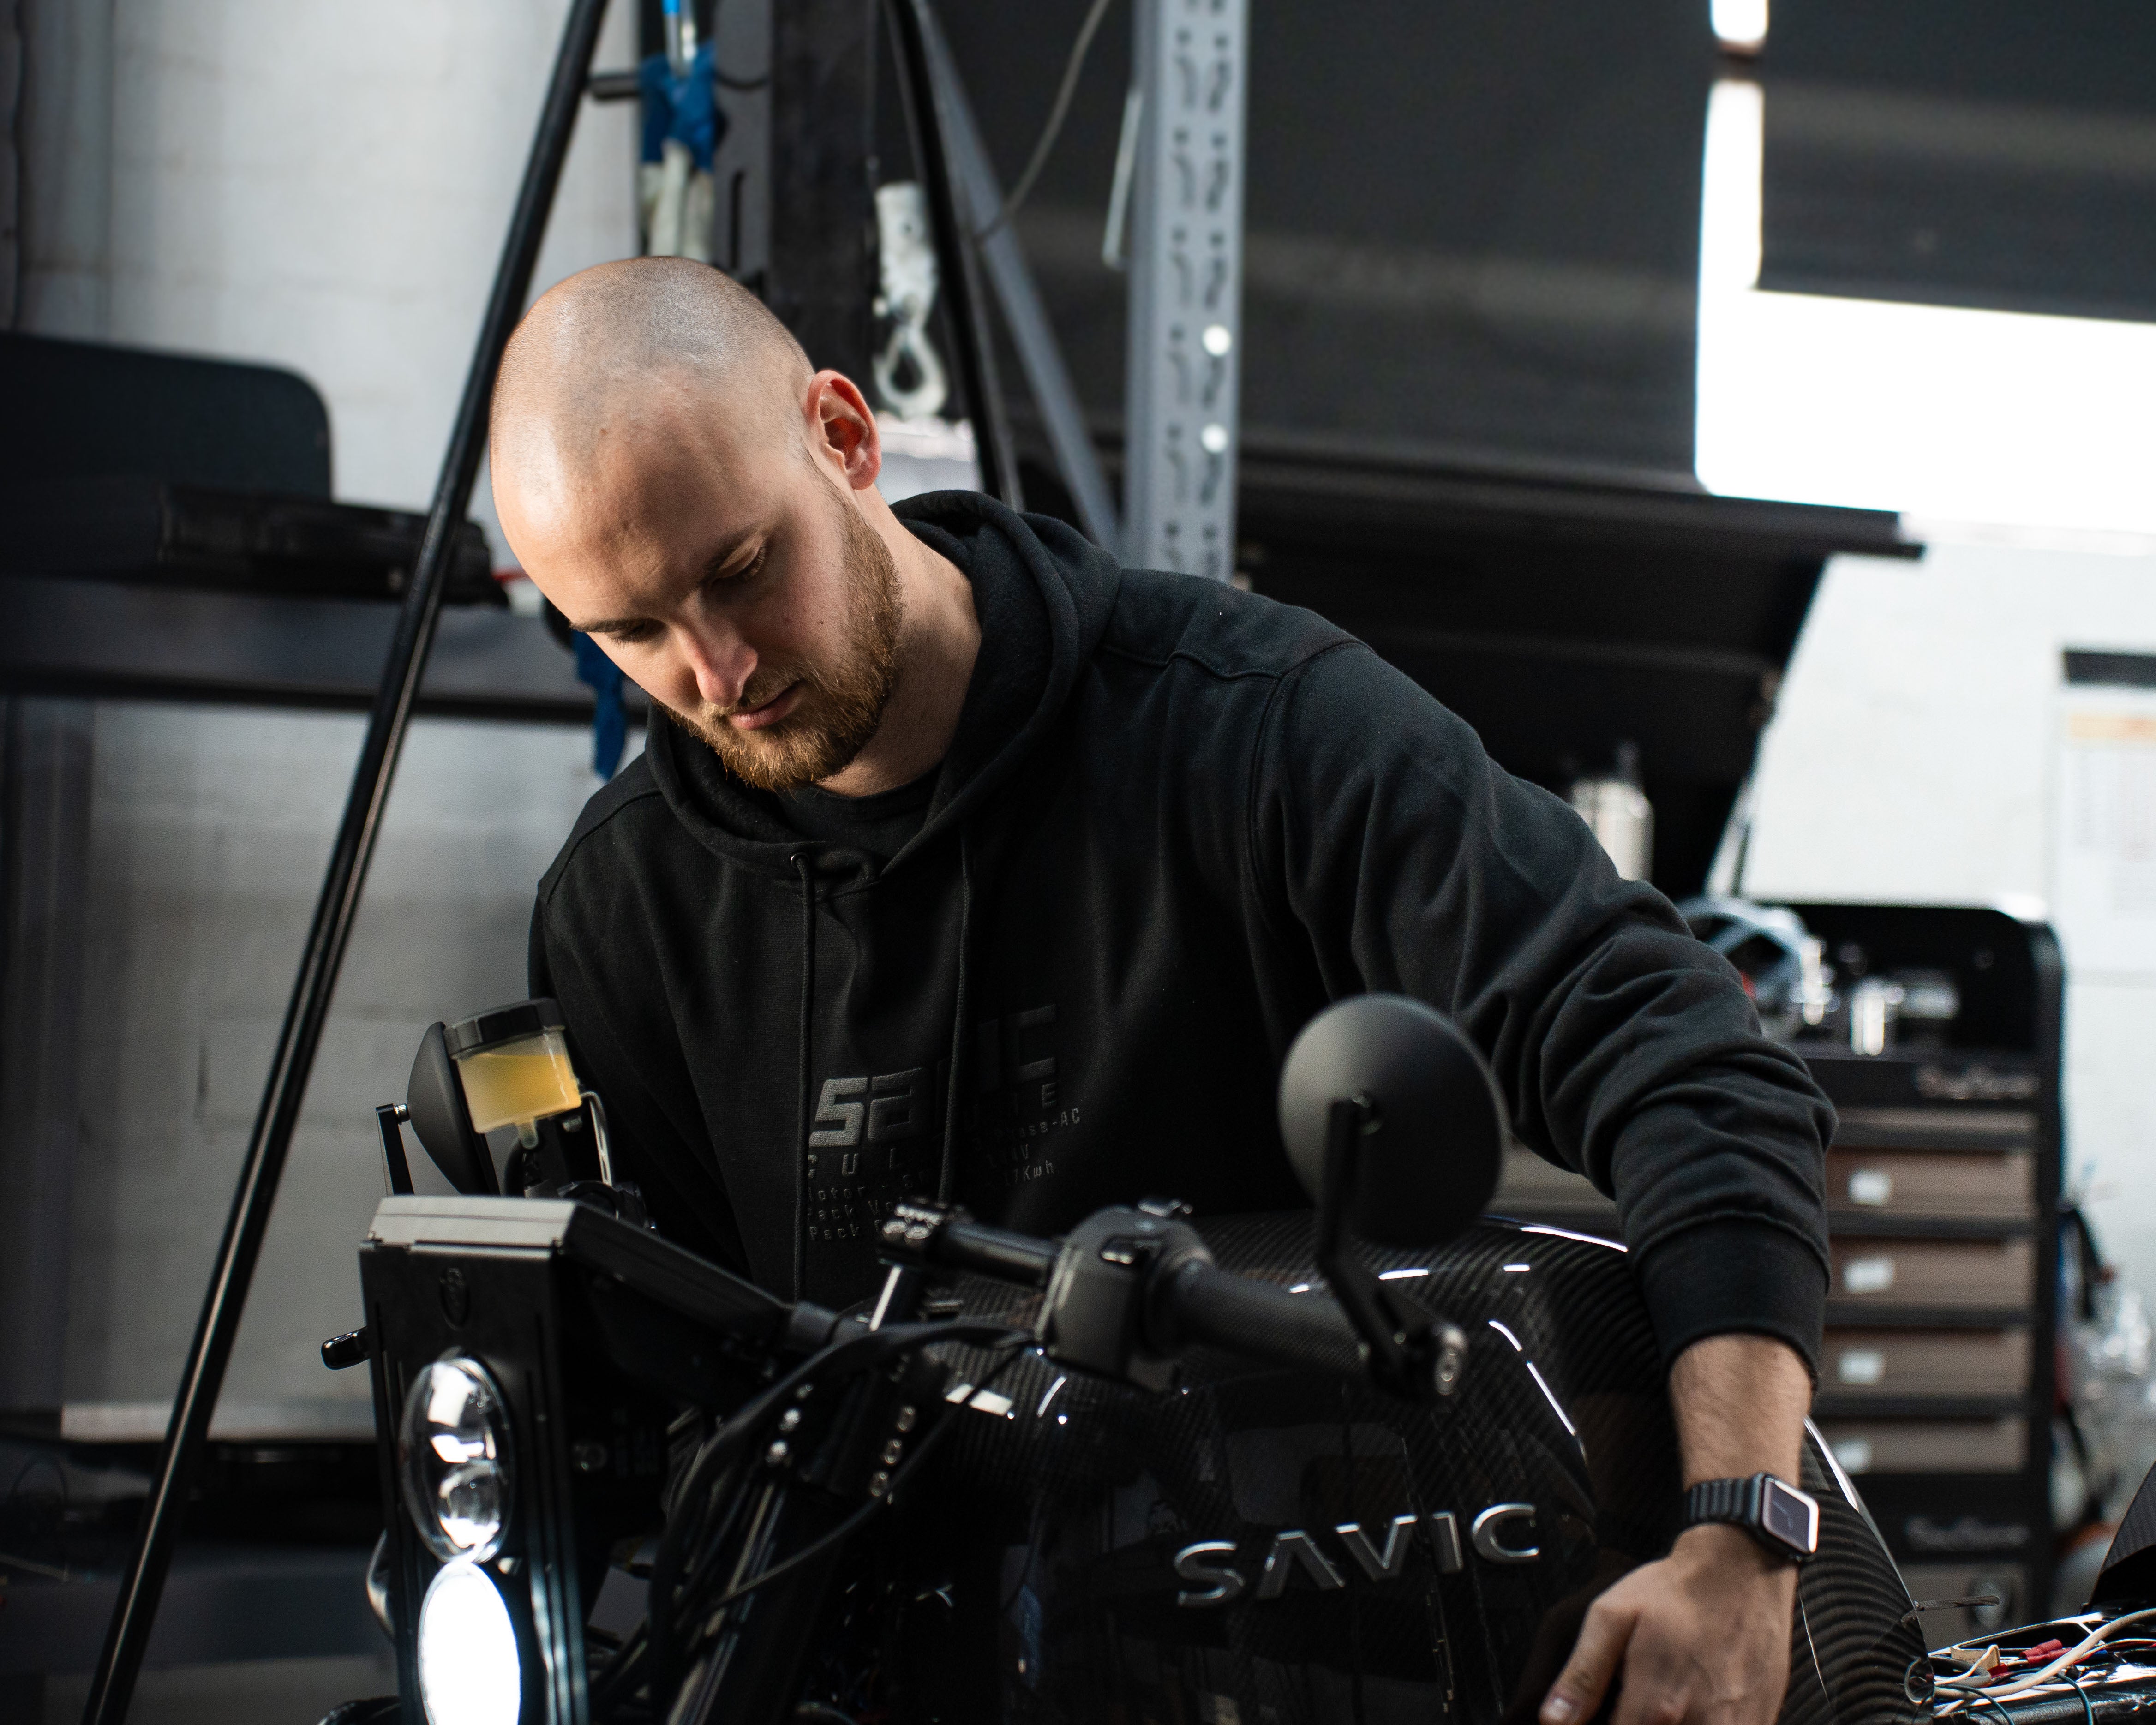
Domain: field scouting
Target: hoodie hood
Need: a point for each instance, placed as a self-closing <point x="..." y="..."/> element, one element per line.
<point x="1043" y="594"/>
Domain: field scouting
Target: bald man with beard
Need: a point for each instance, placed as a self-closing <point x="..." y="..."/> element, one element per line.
<point x="960" y="861"/>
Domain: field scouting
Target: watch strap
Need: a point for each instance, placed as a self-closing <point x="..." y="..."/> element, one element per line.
<point x="1742" y="1503"/>
<point x="1736" y="1500"/>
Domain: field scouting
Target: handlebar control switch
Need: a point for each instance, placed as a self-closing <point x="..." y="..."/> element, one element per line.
<point x="1095" y="1314"/>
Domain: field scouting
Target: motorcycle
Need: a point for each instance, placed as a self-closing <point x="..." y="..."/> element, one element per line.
<point x="1372" y="1462"/>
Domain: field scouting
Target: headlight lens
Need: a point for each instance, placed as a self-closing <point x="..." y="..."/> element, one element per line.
<point x="454" y="1452"/>
<point x="468" y="1670"/>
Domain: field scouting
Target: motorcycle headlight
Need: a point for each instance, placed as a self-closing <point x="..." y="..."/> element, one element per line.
<point x="469" y="1673"/>
<point x="453" y="1449"/>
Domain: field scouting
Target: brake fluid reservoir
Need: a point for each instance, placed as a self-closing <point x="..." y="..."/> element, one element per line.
<point x="513" y="1065"/>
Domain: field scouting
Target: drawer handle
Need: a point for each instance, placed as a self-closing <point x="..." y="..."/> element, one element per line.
<point x="1871" y="1186"/>
<point x="1867" y="1276"/>
<point x="1863" y="1365"/>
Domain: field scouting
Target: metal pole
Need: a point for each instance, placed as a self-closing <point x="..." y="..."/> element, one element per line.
<point x="1024" y="314"/>
<point x="112" y="1685"/>
<point x="1186" y="324"/>
<point x="961" y="284"/>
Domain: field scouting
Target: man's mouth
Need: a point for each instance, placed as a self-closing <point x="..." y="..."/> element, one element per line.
<point x="755" y="718"/>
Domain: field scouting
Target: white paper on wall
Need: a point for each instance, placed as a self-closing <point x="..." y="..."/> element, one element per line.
<point x="2104" y="866"/>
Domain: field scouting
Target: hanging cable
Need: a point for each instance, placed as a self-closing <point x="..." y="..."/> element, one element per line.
<point x="1057" y="113"/>
<point x="852" y="1524"/>
<point x="696" y="1515"/>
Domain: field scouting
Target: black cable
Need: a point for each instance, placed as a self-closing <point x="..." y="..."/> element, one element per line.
<point x="708" y="1469"/>
<point x="1056" y="114"/>
<point x="853" y="1523"/>
<point x="805" y="866"/>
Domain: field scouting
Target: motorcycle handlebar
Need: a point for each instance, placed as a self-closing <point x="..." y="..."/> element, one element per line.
<point x="993" y="1252"/>
<point x="1202" y="1303"/>
<point x="1183" y="1299"/>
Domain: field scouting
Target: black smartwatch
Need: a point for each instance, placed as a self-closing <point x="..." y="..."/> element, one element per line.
<point x="1780" y="1517"/>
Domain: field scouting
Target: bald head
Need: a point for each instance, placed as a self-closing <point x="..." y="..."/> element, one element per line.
<point x="673" y="475"/>
<point x="615" y="345"/>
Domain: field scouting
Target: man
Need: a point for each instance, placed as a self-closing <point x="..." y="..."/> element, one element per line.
<point x="971" y="864"/>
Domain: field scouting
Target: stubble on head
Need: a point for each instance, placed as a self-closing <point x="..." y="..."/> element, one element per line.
<point x="843" y="703"/>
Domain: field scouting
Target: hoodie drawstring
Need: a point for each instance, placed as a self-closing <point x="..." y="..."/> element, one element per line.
<point x="948" y="1178"/>
<point x="803" y="864"/>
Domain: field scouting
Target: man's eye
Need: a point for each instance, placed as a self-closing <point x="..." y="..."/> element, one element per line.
<point x="753" y="567"/>
<point x="632" y="633"/>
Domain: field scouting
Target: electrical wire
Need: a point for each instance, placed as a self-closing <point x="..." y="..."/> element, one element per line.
<point x="1057" y="113"/>
<point x="2088" y="1707"/>
<point x="852" y="1524"/>
<point x="712" y="1468"/>
<point x="1971" y="1683"/>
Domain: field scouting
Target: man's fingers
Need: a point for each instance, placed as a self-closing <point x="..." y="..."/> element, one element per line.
<point x="1585" y="1679"/>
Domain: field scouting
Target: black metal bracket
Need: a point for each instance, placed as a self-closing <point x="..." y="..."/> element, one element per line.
<point x="397" y="1169"/>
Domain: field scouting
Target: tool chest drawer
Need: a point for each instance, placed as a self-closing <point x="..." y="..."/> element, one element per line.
<point x="1969" y="1129"/>
<point x="1903" y="1362"/>
<point x="1863" y="1446"/>
<point x="1936" y="1273"/>
<point x="1945" y="1184"/>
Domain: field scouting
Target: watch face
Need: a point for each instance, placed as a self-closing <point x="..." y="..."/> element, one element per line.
<point x="1790" y="1516"/>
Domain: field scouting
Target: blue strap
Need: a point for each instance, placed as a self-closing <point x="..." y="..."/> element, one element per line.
<point x="609" y="712"/>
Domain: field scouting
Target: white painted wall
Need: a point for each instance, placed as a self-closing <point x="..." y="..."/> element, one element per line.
<point x="313" y="184"/>
<point x="1913" y="759"/>
<point x="210" y="827"/>
<point x="325" y="187"/>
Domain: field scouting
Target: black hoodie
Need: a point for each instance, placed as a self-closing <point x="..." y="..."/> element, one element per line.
<point x="1175" y="822"/>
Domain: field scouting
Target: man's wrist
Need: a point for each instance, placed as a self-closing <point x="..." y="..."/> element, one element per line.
<point x="1715" y="1545"/>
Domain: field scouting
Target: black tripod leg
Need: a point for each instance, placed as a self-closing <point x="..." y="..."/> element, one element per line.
<point x="112" y="1687"/>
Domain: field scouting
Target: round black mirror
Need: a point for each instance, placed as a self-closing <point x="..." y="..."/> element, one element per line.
<point x="442" y="1122"/>
<point x="1432" y="1143"/>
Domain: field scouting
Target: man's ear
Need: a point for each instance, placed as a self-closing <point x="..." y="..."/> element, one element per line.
<point x="843" y="429"/>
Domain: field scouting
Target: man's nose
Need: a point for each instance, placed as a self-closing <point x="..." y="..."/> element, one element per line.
<point x="721" y="662"/>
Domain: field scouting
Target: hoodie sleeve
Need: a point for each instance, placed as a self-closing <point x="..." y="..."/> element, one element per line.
<point x="1385" y="839"/>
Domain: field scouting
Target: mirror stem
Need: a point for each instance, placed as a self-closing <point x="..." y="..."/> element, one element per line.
<point x="1408" y="1353"/>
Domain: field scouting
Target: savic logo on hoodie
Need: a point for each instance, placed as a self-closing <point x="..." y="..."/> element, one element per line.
<point x="873" y="1137"/>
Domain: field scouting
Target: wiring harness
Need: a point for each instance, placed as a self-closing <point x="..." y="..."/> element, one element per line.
<point x="1970" y="1679"/>
<point x="723" y="1530"/>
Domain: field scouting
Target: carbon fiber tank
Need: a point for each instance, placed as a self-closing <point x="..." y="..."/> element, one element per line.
<point x="1265" y="1548"/>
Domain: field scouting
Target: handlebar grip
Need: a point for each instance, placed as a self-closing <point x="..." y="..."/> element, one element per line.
<point x="1205" y="1303"/>
<point x="993" y="1252"/>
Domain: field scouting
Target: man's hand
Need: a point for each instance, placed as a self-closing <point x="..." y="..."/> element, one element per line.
<point x="1702" y="1637"/>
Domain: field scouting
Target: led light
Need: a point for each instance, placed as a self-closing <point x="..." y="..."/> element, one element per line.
<point x="454" y="1453"/>
<point x="468" y="1670"/>
<point x="1740" y="26"/>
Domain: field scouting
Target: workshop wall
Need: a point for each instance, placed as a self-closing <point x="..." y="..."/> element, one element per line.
<point x="204" y="187"/>
<point x="210" y="827"/>
<point x="1914" y="758"/>
<point x="195" y="182"/>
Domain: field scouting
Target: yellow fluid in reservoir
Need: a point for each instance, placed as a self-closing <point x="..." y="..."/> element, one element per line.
<point x="525" y="1080"/>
